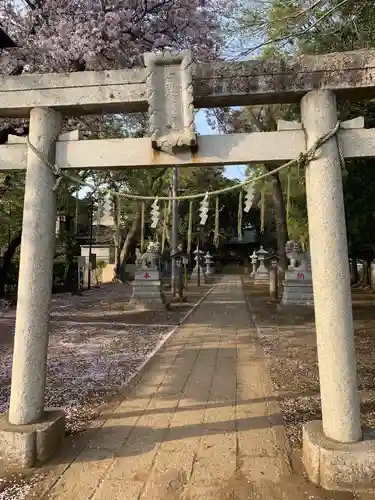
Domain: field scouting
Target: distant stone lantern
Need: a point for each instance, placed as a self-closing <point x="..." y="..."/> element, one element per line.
<point x="254" y="262"/>
<point x="261" y="274"/>
<point x="210" y="264"/>
<point x="198" y="257"/>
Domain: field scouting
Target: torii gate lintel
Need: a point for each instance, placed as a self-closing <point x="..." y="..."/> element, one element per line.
<point x="209" y="150"/>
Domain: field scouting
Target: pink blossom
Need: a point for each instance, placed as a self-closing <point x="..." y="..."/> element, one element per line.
<point x="108" y="33"/>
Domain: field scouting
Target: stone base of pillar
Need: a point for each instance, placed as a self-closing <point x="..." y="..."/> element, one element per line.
<point x="338" y="466"/>
<point x="148" y="292"/>
<point x="26" y="446"/>
<point x="261" y="278"/>
<point x="298" y="289"/>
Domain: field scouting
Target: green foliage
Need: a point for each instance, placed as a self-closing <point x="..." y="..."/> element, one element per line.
<point x="283" y="28"/>
<point x="11" y="207"/>
<point x="58" y="283"/>
<point x="197" y="180"/>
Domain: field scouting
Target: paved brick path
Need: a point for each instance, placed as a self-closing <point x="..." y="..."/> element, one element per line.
<point x="200" y="424"/>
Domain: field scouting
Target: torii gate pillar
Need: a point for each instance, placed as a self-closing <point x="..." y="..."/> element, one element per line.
<point x="334" y="455"/>
<point x="29" y="434"/>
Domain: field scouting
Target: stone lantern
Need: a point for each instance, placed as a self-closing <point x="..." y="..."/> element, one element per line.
<point x="148" y="290"/>
<point x="198" y="257"/>
<point x="254" y="262"/>
<point x="210" y="264"/>
<point x="261" y="274"/>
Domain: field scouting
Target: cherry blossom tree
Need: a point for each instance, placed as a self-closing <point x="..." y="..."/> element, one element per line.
<point x="78" y="35"/>
<point x="74" y="35"/>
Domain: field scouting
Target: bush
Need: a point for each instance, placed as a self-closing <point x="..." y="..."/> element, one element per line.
<point x="100" y="265"/>
<point x="58" y="283"/>
<point x="11" y="282"/>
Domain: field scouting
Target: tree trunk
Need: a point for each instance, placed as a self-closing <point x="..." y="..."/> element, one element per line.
<point x="8" y="256"/>
<point x="281" y="222"/>
<point x="129" y="245"/>
<point x="353" y="270"/>
<point x="70" y="251"/>
<point x="119" y="234"/>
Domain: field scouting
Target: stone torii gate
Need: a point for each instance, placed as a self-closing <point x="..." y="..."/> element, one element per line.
<point x="336" y="453"/>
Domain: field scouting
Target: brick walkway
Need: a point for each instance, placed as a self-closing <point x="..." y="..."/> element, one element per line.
<point x="200" y="424"/>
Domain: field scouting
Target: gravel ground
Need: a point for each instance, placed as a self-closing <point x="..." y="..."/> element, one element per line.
<point x="97" y="343"/>
<point x="86" y="365"/>
<point x="288" y="340"/>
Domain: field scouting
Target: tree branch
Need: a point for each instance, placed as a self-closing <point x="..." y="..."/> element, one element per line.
<point x="295" y="34"/>
<point x="285" y="19"/>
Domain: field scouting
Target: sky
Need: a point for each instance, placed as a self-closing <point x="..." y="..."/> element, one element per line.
<point x="203" y="128"/>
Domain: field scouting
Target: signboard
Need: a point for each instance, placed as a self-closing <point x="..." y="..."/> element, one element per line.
<point x="92" y="260"/>
<point x="147" y="276"/>
<point x="185" y="261"/>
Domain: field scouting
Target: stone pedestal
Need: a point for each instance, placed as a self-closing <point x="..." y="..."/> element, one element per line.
<point x="148" y="290"/>
<point x="338" y="466"/>
<point x="25" y="446"/>
<point x="298" y="288"/>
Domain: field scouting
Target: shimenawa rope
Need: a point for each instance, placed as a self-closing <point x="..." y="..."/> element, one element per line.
<point x="302" y="159"/>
